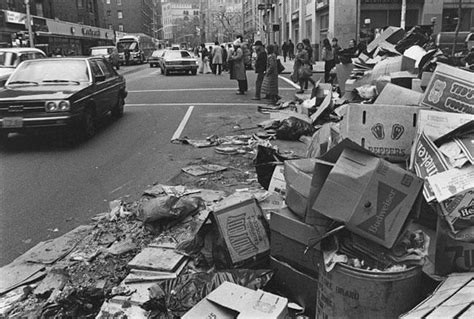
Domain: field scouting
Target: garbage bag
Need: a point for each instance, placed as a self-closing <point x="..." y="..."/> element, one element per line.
<point x="265" y="161"/>
<point x="293" y="128"/>
<point x="168" y="208"/>
<point x="181" y="294"/>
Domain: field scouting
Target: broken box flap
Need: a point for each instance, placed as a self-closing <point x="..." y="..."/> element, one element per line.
<point x="289" y="225"/>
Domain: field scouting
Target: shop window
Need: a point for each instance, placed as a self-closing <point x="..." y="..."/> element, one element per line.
<point x="450" y="20"/>
<point x="324" y="22"/>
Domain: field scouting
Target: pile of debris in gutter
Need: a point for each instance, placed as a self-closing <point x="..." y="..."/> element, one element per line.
<point x="376" y="214"/>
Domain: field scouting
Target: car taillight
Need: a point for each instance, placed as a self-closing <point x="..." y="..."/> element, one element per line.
<point x="57" y="106"/>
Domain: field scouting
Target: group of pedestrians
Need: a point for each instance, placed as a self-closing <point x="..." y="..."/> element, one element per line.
<point x="213" y="59"/>
<point x="332" y="54"/>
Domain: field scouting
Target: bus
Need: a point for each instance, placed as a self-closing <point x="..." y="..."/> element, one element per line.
<point x="140" y="46"/>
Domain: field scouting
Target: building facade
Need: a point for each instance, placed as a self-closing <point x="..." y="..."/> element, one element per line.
<point x="129" y="16"/>
<point x="181" y="21"/>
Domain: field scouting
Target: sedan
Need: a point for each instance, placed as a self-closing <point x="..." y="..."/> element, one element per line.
<point x="154" y="59"/>
<point x="11" y="57"/>
<point x="71" y="93"/>
<point x="178" y="60"/>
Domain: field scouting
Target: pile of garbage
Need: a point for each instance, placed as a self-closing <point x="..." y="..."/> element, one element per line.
<point x="375" y="214"/>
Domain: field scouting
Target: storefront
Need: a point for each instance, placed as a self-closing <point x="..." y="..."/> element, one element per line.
<point x="71" y="38"/>
<point x="52" y="36"/>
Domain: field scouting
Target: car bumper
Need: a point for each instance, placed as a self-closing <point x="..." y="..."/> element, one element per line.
<point x="181" y="67"/>
<point x="19" y="123"/>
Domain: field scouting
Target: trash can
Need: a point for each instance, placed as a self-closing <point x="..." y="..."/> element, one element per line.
<point x="348" y="292"/>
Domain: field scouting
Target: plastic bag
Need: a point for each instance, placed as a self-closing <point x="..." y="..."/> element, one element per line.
<point x="293" y="128"/>
<point x="304" y="72"/>
<point x="280" y="66"/>
<point x="168" y="208"/>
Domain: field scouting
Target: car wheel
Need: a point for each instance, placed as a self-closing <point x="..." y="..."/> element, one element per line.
<point x="87" y="127"/>
<point x="194" y="72"/>
<point x="151" y="65"/>
<point x="117" y="111"/>
<point x="167" y="72"/>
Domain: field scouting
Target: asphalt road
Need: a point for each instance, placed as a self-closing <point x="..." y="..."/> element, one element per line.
<point x="48" y="188"/>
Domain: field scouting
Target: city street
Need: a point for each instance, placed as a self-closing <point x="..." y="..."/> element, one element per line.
<point x="49" y="187"/>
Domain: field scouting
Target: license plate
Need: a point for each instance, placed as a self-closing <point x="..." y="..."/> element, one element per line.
<point x="12" y="122"/>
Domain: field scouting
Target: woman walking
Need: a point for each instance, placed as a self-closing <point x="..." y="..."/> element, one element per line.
<point x="270" y="80"/>
<point x="327" y="55"/>
<point x="238" y="67"/>
<point x="301" y="69"/>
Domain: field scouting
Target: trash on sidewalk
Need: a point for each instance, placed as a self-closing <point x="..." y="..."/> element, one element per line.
<point x="244" y="302"/>
<point x="167" y="208"/>
<point x="158" y="259"/>
<point x="199" y="170"/>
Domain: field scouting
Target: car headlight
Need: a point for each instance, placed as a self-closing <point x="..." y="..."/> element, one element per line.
<point x="57" y="106"/>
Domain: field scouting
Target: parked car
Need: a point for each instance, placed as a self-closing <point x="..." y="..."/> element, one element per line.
<point x="154" y="59"/>
<point x="109" y="52"/>
<point x="10" y="58"/>
<point x="69" y="92"/>
<point x="178" y="60"/>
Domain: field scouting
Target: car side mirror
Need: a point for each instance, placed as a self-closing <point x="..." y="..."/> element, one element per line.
<point x="99" y="78"/>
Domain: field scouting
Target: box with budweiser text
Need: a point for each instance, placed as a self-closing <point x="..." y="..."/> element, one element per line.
<point x="370" y="195"/>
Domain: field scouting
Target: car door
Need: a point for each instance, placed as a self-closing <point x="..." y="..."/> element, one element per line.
<point x="100" y="88"/>
<point x="111" y="82"/>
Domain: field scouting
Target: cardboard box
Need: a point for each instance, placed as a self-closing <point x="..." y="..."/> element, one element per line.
<point x="277" y="183"/>
<point x="240" y="225"/>
<point x="298" y="175"/>
<point x="371" y="196"/>
<point x="396" y="95"/>
<point x="425" y="79"/>
<point x="391" y="35"/>
<point x="452" y="299"/>
<point x="386" y="130"/>
<point x="343" y="72"/>
<point x="298" y="286"/>
<point x="392" y="64"/>
<point x="289" y="238"/>
<point x="402" y="78"/>
<point x="246" y="303"/>
<point x="454" y="252"/>
<point x="451" y="90"/>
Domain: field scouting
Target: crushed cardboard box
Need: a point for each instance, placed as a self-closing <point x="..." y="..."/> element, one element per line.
<point x="298" y="175"/>
<point x="233" y="301"/>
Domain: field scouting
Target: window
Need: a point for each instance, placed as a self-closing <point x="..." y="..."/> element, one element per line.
<point x="105" y="69"/>
<point x="119" y="2"/>
<point x="107" y="1"/>
<point x="119" y="14"/>
<point x="120" y="27"/>
<point x="111" y="27"/>
<point x="108" y="13"/>
<point x="80" y="3"/>
<point x="95" y="69"/>
<point x="324" y="22"/>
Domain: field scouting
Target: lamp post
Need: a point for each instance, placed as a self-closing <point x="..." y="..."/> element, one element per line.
<point x="28" y="24"/>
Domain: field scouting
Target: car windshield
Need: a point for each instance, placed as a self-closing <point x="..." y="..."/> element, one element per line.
<point x="177" y="54"/>
<point x="46" y="72"/>
<point x="156" y="53"/>
<point x="8" y="59"/>
<point x="100" y="51"/>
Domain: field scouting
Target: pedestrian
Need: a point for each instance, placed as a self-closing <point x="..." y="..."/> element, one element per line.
<point x="217" y="58"/>
<point x="230" y="62"/>
<point x="301" y="70"/>
<point x="126" y="53"/>
<point x="346" y="55"/>
<point x="277" y="48"/>
<point x="204" y="67"/>
<point x="336" y="49"/>
<point x="284" y="50"/>
<point x="260" y="67"/>
<point x="238" y="67"/>
<point x="309" y="49"/>
<point x="270" y="79"/>
<point x="327" y="55"/>
<point x="291" y="49"/>
<point x="211" y="57"/>
<point x="247" y="58"/>
<point x="224" y="58"/>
